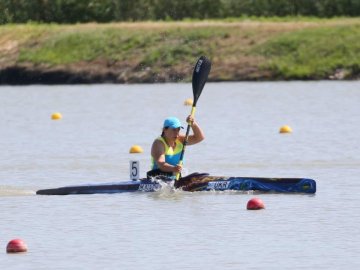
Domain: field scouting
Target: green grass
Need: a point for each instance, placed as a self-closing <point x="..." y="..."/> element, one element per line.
<point x="26" y="32"/>
<point x="163" y="47"/>
<point x="245" y="18"/>
<point x="88" y="45"/>
<point x="313" y="53"/>
<point x="294" y="48"/>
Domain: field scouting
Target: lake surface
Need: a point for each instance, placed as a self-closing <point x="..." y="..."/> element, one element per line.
<point x="174" y="229"/>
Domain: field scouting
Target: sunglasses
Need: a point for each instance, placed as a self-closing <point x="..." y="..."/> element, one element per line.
<point x="177" y="129"/>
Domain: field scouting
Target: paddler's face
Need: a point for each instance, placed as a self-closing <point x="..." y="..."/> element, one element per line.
<point x="172" y="133"/>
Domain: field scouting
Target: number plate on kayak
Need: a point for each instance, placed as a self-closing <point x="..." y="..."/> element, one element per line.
<point x="219" y="185"/>
<point x="149" y="187"/>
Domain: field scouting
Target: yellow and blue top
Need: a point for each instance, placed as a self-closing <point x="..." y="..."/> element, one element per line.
<point x="172" y="156"/>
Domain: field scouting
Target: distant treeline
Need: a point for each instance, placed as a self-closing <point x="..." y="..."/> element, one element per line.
<point x="80" y="11"/>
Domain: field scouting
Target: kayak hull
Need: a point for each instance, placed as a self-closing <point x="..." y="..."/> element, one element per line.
<point x="194" y="182"/>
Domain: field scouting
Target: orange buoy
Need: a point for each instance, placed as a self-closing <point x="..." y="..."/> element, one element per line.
<point x="188" y="102"/>
<point x="255" y="204"/>
<point x="285" y="129"/>
<point x="135" y="149"/>
<point x="15" y="246"/>
<point x="56" y="116"/>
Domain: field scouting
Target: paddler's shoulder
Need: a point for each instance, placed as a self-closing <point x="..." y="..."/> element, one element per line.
<point x="159" y="141"/>
<point x="181" y="139"/>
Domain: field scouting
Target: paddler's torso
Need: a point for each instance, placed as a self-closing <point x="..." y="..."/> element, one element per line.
<point x="172" y="151"/>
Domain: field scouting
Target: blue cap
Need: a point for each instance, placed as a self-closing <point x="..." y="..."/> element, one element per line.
<point x="172" y="122"/>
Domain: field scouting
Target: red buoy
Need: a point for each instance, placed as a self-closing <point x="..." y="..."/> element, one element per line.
<point x="16" y="245"/>
<point x="255" y="204"/>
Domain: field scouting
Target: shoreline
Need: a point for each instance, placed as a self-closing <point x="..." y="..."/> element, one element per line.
<point x="160" y="52"/>
<point x="19" y="75"/>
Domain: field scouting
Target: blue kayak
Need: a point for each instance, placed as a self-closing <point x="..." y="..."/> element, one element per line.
<point x="193" y="182"/>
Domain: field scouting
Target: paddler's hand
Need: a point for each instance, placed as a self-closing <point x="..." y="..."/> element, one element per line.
<point x="177" y="168"/>
<point x="190" y="120"/>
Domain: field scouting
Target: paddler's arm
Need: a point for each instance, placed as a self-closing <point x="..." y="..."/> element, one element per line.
<point x="158" y="154"/>
<point x="198" y="135"/>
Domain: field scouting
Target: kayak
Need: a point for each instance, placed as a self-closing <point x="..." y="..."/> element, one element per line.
<point x="193" y="182"/>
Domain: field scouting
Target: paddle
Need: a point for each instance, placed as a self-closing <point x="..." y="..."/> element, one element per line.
<point x="200" y="75"/>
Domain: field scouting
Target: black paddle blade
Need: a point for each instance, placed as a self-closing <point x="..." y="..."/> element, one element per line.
<point x="200" y="75"/>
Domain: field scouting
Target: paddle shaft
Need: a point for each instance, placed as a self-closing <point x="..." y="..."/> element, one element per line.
<point x="200" y="75"/>
<point x="193" y="109"/>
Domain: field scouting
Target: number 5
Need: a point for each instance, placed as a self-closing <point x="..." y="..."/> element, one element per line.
<point x="134" y="170"/>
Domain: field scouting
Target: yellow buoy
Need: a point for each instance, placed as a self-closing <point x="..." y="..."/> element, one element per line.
<point x="135" y="149"/>
<point x="285" y="129"/>
<point x="56" y="116"/>
<point x="188" y="102"/>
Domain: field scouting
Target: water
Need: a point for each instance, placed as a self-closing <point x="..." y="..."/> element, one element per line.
<point x="174" y="229"/>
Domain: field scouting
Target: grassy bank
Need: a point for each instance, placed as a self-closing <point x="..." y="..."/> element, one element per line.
<point x="166" y="51"/>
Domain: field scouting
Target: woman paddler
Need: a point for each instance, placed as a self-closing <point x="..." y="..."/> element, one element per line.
<point x="166" y="149"/>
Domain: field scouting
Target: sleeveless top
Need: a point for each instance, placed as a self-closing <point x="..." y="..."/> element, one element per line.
<point x="172" y="156"/>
